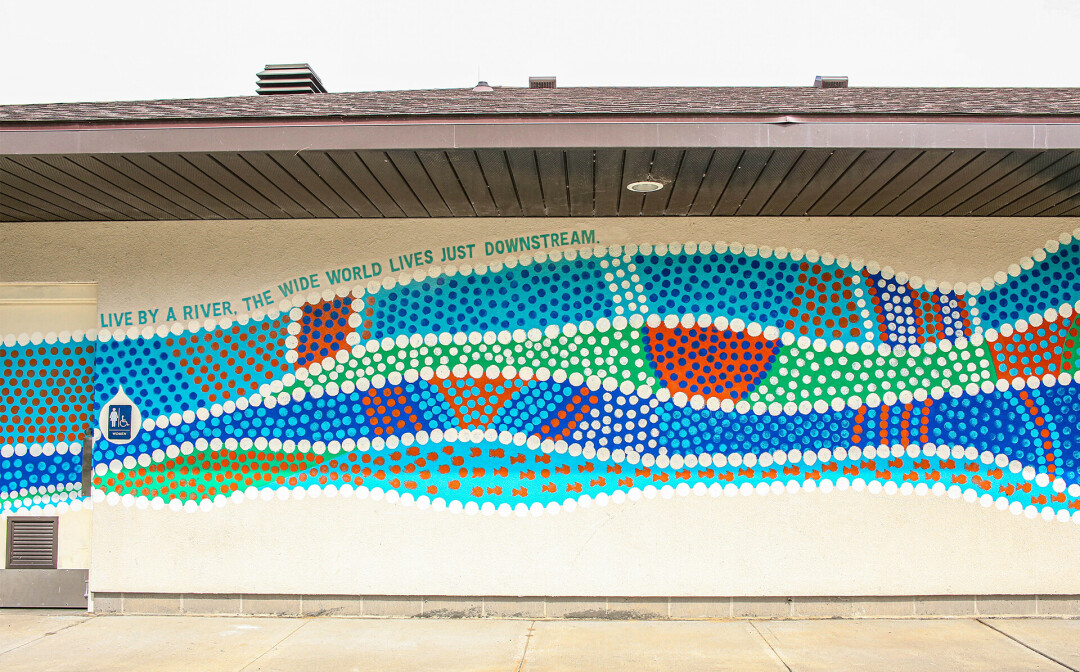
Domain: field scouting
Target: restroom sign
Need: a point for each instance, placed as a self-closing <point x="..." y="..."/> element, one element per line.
<point x="119" y="422"/>
<point x="120" y="419"/>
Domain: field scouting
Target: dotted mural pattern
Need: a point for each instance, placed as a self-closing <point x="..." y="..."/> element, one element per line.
<point x="322" y="330"/>
<point x="707" y="361"/>
<point x="522" y="297"/>
<point x="907" y="316"/>
<point x="46" y="405"/>
<point x="1040" y="349"/>
<point x="608" y="374"/>
<point x="825" y="304"/>
<point x="1048" y="279"/>
<point x="45" y="393"/>
<point x="164" y="373"/>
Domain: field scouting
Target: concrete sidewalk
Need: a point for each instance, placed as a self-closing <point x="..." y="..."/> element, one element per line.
<point x="56" y="640"/>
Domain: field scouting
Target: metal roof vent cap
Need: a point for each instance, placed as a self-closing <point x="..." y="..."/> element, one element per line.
<point x="831" y="82"/>
<point x="482" y="86"/>
<point x="288" y="78"/>
<point x="541" y="82"/>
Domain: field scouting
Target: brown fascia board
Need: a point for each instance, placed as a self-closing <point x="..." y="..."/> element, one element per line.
<point x="549" y="131"/>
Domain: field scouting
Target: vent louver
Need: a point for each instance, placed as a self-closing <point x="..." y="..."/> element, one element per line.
<point x="827" y="82"/>
<point x="31" y="543"/>
<point x="289" y="78"/>
<point x="541" y="82"/>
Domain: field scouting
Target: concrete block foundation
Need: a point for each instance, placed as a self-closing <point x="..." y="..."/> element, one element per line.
<point x="592" y="608"/>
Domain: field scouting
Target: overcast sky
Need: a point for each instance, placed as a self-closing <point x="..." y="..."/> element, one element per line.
<point x="66" y="51"/>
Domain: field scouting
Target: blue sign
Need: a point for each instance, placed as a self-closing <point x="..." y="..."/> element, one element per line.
<point x="119" y="422"/>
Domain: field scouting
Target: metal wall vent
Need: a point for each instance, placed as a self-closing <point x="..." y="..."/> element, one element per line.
<point x="31" y="543"/>
<point x="541" y="82"/>
<point x="834" y="82"/>
<point x="289" y="78"/>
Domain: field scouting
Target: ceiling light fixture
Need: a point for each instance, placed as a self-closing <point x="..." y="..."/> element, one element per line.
<point x="645" y="187"/>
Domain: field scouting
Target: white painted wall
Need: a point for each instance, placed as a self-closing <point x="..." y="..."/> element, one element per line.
<point x="841" y="543"/>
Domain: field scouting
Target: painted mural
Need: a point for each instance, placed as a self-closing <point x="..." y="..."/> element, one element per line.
<point x="546" y="382"/>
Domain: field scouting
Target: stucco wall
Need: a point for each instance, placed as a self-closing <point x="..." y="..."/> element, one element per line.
<point x="798" y="543"/>
<point x="151" y="264"/>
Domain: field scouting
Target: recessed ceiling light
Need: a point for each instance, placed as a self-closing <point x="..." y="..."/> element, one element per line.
<point x="645" y="186"/>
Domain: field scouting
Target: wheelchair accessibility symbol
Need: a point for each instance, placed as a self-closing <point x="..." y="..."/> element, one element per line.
<point x="120" y="419"/>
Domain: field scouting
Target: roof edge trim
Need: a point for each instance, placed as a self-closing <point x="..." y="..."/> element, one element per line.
<point x="547" y="133"/>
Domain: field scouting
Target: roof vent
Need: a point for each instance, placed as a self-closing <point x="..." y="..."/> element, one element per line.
<point x="541" y="82"/>
<point x="830" y="82"/>
<point x="482" y="86"/>
<point x="289" y="78"/>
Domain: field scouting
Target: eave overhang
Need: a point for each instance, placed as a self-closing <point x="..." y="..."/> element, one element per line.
<point x="555" y="165"/>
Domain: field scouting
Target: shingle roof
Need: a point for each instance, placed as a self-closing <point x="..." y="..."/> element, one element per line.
<point x="574" y="101"/>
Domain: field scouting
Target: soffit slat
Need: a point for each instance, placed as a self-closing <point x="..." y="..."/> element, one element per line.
<point x="391" y="180"/>
<point x="16" y="204"/>
<point x="579" y="172"/>
<point x="8" y="190"/>
<point x="1055" y="200"/>
<point x="1014" y="160"/>
<point x="972" y="171"/>
<point x="243" y="169"/>
<point x="664" y="169"/>
<point x="357" y="171"/>
<point x="721" y="167"/>
<point x="1039" y="187"/>
<point x="126" y="187"/>
<point x="635" y="168"/>
<point x="500" y="181"/>
<point x="551" y="166"/>
<point x="607" y="185"/>
<point x="467" y="168"/>
<point x="850" y="179"/>
<point x="1008" y="182"/>
<point x="874" y="180"/>
<point x="527" y="178"/>
<point x="1067" y="208"/>
<point x="901" y="181"/>
<point x="11" y="213"/>
<point x="413" y="172"/>
<point x="777" y="167"/>
<point x="835" y="166"/>
<point x="100" y="190"/>
<point x="43" y="185"/>
<point x="685" y="187"/>
<point x="437" y="165"/>
<point x="954" y="163"/>
<point x="272" y="172"/>
<point x="806" y="167"/>
<point x="330" y="173"/>
<point x="742" y="181"/>
<point x="211" y="183"/>
<point x="298" y="168"/>
<point x="135" y="173"/>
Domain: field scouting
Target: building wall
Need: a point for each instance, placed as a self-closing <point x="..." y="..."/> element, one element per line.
<point x="723" y="439"/>
<point x="50" y="413"/>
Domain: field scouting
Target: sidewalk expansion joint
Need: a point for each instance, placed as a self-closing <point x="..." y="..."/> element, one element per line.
<point x="528" y="638"/>
<point x="1027" y="646"/>
<point x="47" y="634"/>
<point x="276" y="644"/>
<point x="770" y="645"/>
